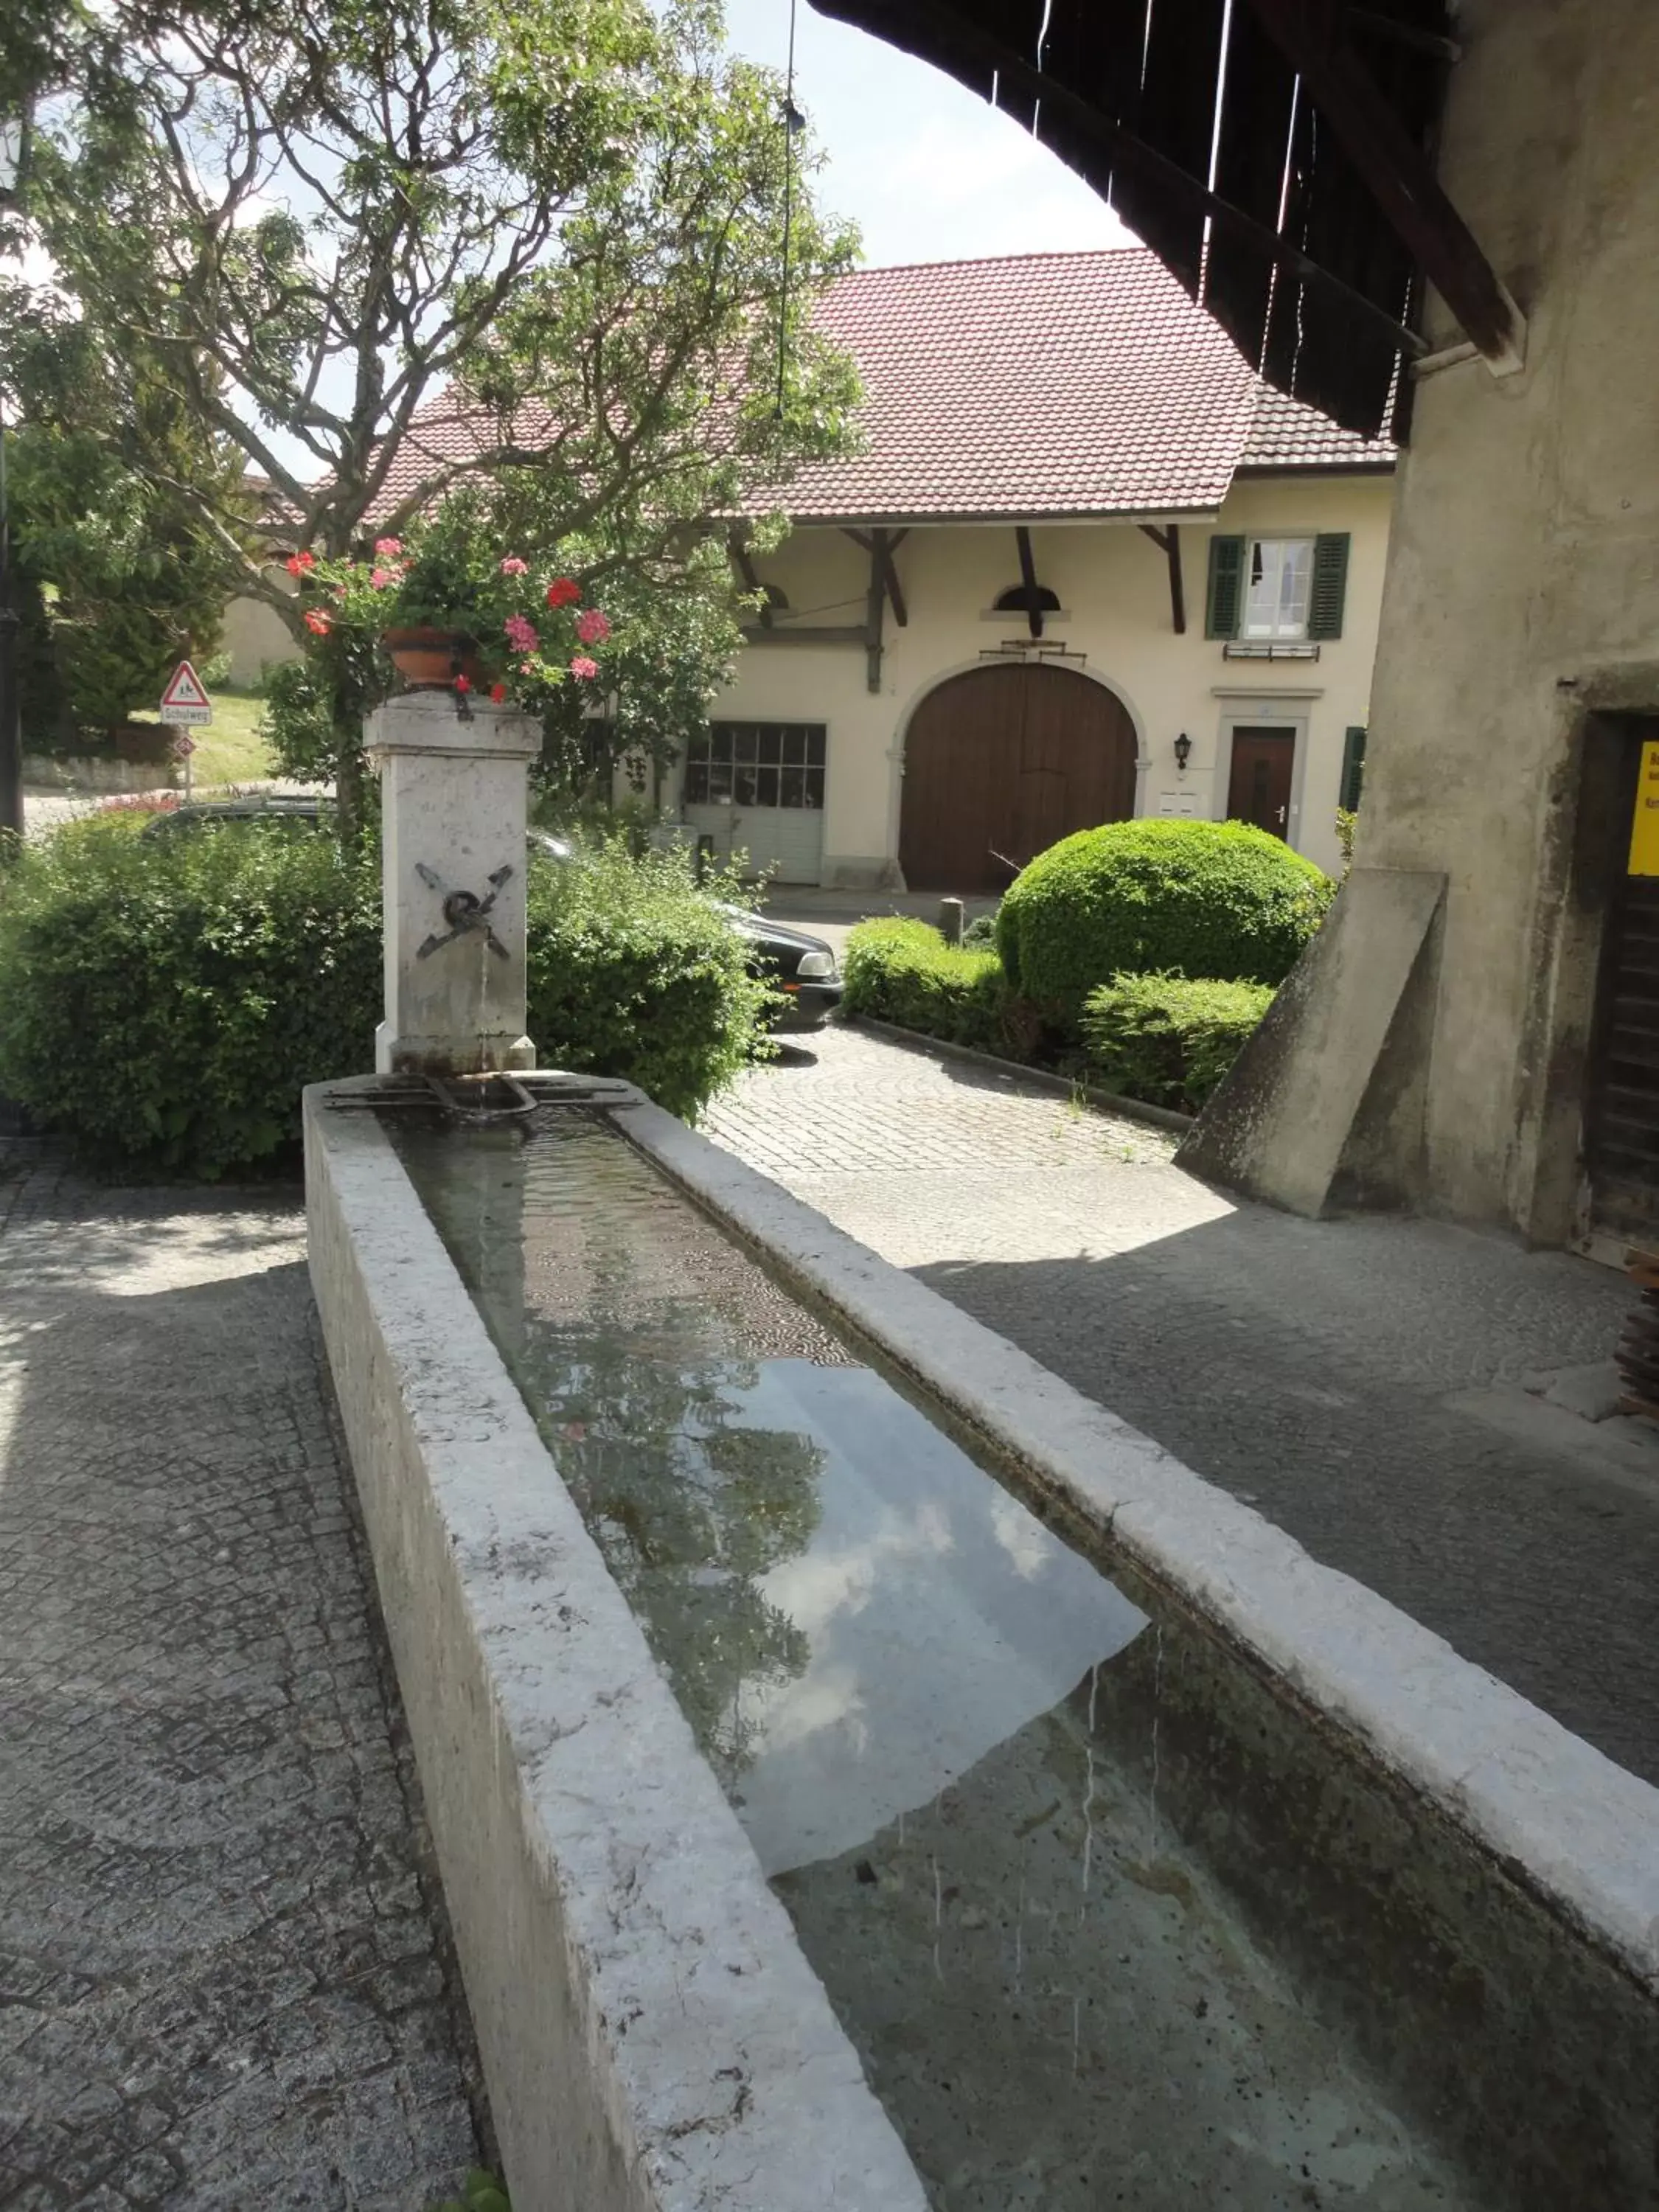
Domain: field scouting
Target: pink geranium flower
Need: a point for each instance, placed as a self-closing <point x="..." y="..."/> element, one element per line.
<point x="591" y="627"/>
<point x="520" y="634"/>
<point x="388" y="545"/>
<point x="514" y="567"/>
<point x="581" y="665"/>
<point x="380" y="578"/>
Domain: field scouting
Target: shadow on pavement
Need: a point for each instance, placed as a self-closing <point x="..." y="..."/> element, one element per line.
<point x="1322" y="1382"/>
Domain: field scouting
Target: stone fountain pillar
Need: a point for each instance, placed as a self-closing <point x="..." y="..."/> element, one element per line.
<point x="453" y="862"/>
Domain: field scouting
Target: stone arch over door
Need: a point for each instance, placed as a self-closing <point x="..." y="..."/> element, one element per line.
<point x="1001" y="762"/>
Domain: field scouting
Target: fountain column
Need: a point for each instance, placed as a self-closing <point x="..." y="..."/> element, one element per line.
<point x="453" y="866"/>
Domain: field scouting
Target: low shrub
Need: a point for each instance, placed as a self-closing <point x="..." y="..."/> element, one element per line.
<point x="904" y="972"/>
<point x="1168" y="1039"/>
<point x="633" y="972"/>
<point x="1215" y="899"/>
<point x="481" y="2192"/>
<point x="164" y="1001"/>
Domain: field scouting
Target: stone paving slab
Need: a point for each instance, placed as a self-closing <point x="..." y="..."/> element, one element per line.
<point x="221" y="1983"/>
<point x="1369" y="1384"/>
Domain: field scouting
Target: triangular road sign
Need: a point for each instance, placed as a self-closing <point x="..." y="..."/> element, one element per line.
<point x="184" y="690"/>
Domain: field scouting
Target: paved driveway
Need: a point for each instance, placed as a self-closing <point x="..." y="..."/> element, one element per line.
<point x="1362" y="1381"/>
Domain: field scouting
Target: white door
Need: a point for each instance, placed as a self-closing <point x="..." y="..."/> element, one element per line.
<point x="757" y="788"/>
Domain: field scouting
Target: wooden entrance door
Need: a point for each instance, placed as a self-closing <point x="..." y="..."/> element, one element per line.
<point x="1001" y="763"/>
<point x="1259" y="788"/>
<point x="1621" y="1120"/>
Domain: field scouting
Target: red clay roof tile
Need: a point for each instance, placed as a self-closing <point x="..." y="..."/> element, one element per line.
<point x="1043" y="384"/>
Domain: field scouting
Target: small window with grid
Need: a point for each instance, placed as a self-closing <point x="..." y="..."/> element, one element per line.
<point x="756" y="764"/>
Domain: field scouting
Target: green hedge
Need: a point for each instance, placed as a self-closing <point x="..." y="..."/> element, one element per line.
<point x="1168" y="1039"/>
<point x="164" y="1001"/>
<point x="633" y="972"/>
<point x="905" y="973"/>
<point x="1216" y="899"/>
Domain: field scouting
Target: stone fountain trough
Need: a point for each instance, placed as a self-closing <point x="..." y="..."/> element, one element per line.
<point x="1024" y="1821"/>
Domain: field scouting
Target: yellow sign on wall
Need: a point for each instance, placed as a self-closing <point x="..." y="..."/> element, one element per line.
<point x="1645" y="828"/>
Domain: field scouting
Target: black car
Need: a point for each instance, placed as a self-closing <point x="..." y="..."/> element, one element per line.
<point x="802" y="968"/>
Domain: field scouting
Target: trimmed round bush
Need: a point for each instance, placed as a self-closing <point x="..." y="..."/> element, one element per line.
<point x="1212" y="899"/>
<point x="1170" y="1039"/>
<point x="164" y="1001"/>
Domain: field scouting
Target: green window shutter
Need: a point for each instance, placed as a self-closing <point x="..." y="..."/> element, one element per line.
<point x="1330" y="585"/>
<point x="1354" y="770"/>
<point x="1224" y="609"/>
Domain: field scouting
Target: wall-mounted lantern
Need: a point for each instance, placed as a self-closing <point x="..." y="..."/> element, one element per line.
<point x="1184" y="752"/>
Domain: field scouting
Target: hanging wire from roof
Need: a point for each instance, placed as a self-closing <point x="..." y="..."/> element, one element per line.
<point x="793" y="120"/>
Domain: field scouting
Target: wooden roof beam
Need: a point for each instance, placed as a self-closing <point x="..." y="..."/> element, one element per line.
<point x="743" y="563"/>
<point x="1312" y="36"/>
<point x="1168" y="542"/>
<point x="1119" y="146"/>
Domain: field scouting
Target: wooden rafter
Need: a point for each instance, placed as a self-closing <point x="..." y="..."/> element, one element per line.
<point x="744" y="564"/>
<point x="879" y="545"/>
<point x="953" y="33"/>
<point x="1028" y="577"/>
<point x="1168" y="542"/>
<point x="883" y="589"/>
<point x="1311" y="34"/>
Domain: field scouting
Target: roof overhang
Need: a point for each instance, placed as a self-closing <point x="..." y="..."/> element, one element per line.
<point x="1274" y="153"/>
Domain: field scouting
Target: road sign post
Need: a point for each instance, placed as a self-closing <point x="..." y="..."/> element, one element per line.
<point x="185" y="702"/>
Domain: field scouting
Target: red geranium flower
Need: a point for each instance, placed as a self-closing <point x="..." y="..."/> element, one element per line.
<point x="462" y="682"/>
<point x="562" y="592"/>
<point x="297" y="563"/>
<point x="316" y="622"/>
<point x="497" y="693"/>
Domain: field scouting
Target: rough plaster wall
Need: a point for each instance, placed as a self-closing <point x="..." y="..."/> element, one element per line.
<point x="254" y="636"/>
<point x="1525" y="555"/>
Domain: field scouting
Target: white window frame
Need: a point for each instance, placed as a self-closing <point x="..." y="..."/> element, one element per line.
<point x="1277" y="629"/>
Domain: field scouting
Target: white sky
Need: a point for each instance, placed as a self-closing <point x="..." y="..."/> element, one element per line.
<point x="927" y="171"/>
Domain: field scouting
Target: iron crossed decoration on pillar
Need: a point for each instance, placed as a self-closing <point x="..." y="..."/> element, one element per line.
<point x="465" y="911"/>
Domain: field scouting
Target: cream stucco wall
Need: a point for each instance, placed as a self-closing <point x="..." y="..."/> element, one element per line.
<point x="255" y="635"/>
<point x="1113" y="586"/>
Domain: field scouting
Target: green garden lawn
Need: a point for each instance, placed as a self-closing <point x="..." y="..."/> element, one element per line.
<point x="231" y="749"/>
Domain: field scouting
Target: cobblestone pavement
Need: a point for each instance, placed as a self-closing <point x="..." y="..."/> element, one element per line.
<point x="220" y="1983"/>
<point x="1362" y="1381"/>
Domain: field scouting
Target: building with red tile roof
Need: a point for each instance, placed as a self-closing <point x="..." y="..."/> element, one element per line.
<point x="1083" y="565"/>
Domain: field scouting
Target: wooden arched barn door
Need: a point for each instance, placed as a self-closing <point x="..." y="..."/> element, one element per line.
<point x="1002" y="763"/>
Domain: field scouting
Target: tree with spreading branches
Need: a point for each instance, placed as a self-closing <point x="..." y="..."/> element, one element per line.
<point x="384" y="249"/>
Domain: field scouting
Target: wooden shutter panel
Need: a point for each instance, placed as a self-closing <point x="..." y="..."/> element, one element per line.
<point x="1224" y="609"/>
<point x="1330" y="585"/>
<point x="1354" y="770"/>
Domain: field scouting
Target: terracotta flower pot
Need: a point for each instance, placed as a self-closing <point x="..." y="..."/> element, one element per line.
<point x="430" y="659"/>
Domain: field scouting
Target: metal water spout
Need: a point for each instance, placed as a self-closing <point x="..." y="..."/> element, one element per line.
<point x="453" y="867"/>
